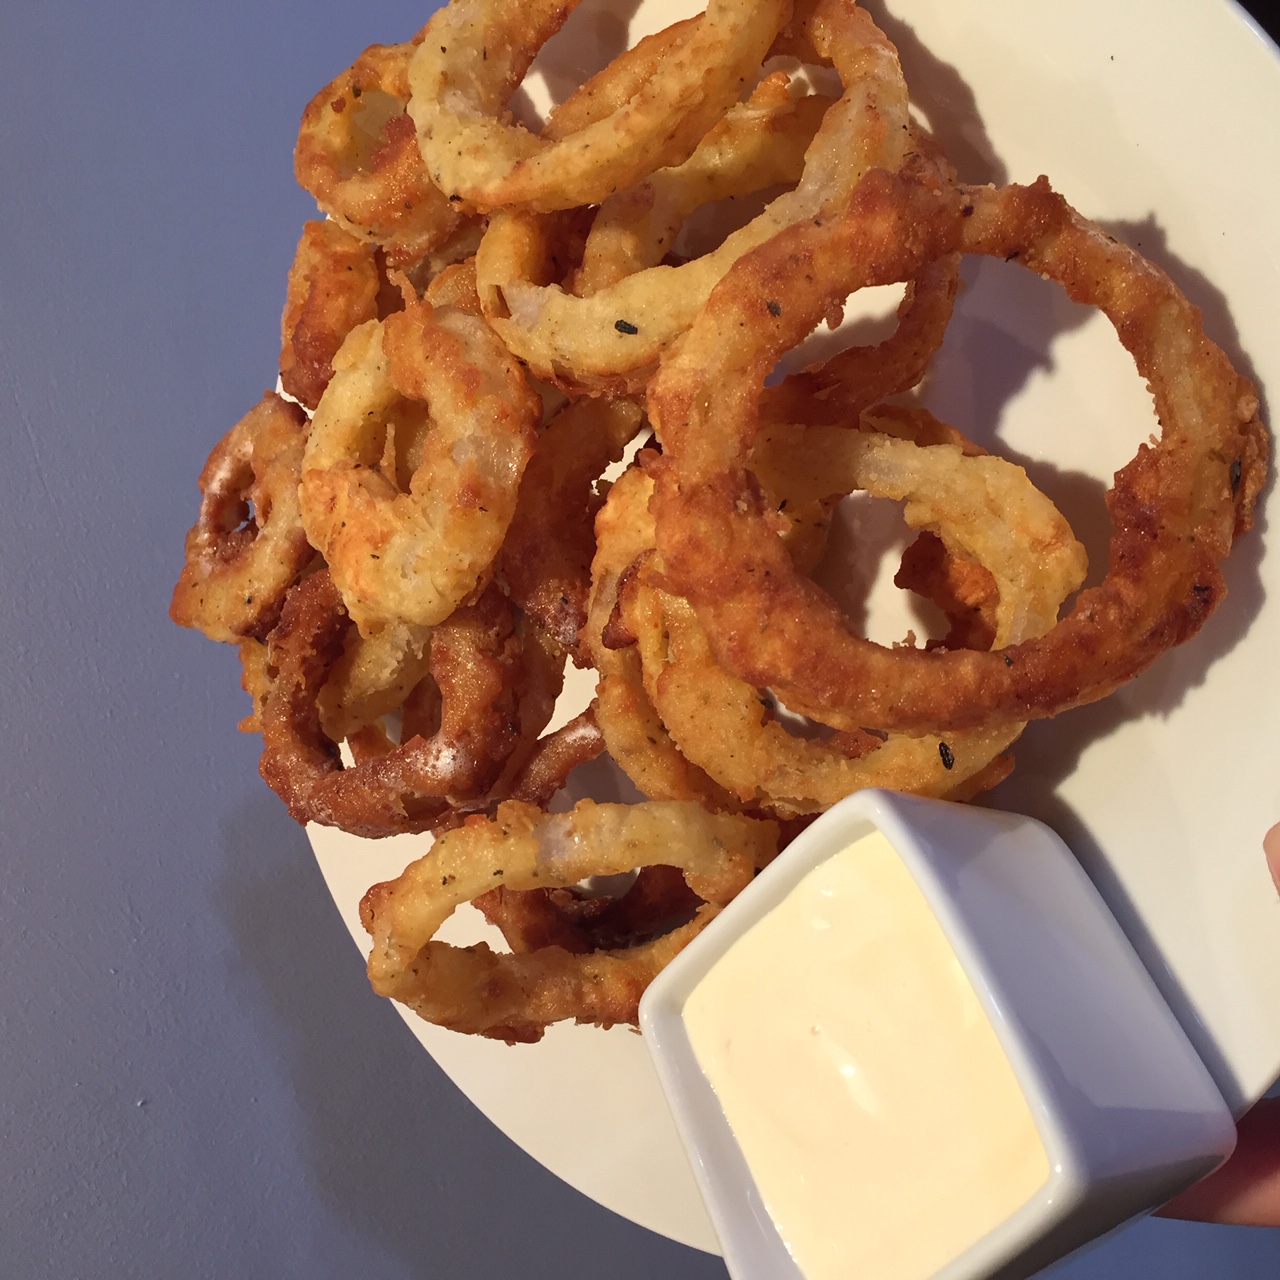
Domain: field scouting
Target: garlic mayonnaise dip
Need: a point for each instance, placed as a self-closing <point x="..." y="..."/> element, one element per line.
<point x="874" y="1105"/>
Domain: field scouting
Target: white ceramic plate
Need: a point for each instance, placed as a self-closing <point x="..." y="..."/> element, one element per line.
<point x="1156" y="117"/>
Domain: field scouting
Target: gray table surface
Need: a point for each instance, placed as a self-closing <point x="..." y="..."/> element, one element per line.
<point x="194" y="1078"/>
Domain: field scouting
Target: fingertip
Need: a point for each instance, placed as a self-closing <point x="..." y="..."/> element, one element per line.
<point x="1271" y="847"/>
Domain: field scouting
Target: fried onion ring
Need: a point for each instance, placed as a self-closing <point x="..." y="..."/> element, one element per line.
<point x="515" y="997"/>
<point x="612" y="339"/>
<point x="357" y="154"/>
<point x="334" y="285"/>
<point x="1176" y="507"/>
<point x="546" y="559"/>
<point x="411" y="526"/>
<point x="475" y="54"/>
<point x="248" y="545"/>
<point x="476" y="664"/>
<point x="984" y="508"/>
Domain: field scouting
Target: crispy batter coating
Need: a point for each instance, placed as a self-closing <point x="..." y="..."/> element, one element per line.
<point x="515" y="997"/>
<point x="357" y="154"/>
<point x="248" y="545"/>
<point x="1176" y="508"/>
<point x="411" y="469"/>
<point x="334" y="285"/>
<point x="474" y="55"/>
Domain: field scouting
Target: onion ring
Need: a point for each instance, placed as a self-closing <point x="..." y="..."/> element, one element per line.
<point x="475" y="54"/>
<point x="357" y="154"/>
<point x="248" y="545"/>
<point x="409" y="542"/>
<point x="476" y="663"/>
<point x="984" y="508"/>
<point x="612" y="339"/>
<point x="334" y="285"/>
<point x="514" y="997"/>
<point x="1176" y="508"/>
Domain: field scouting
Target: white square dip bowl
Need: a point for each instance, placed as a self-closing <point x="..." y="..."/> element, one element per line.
<point x="919" y="1047"/>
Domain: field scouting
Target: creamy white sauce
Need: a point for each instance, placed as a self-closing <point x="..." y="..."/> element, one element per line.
<point x="878" y="1113"/>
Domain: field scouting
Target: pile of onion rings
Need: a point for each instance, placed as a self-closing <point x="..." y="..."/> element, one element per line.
<point x="525" y="421"/>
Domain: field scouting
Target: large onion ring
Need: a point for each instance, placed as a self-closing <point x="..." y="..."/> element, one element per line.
<point x="984" y="508"/>
<point x="1176" y="508"/>
<point x="514" y="997"/>
<point x="475" y="54"/>
<point x="612" y="339"/>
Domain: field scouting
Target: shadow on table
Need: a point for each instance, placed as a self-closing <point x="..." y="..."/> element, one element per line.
<point x="394" y="1148"/>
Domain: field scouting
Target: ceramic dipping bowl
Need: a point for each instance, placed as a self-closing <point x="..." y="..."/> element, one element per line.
<point x="919" y="1047"/>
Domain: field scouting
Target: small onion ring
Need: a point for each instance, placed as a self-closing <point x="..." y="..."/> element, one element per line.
<point x="334" y="285"/>
<point x="248" y="546"/>
<point x="477" y="664"/>
<point x="357" y="153"/>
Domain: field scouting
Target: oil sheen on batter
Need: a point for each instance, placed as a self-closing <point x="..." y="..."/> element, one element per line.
<point x="873" y="1102"/>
